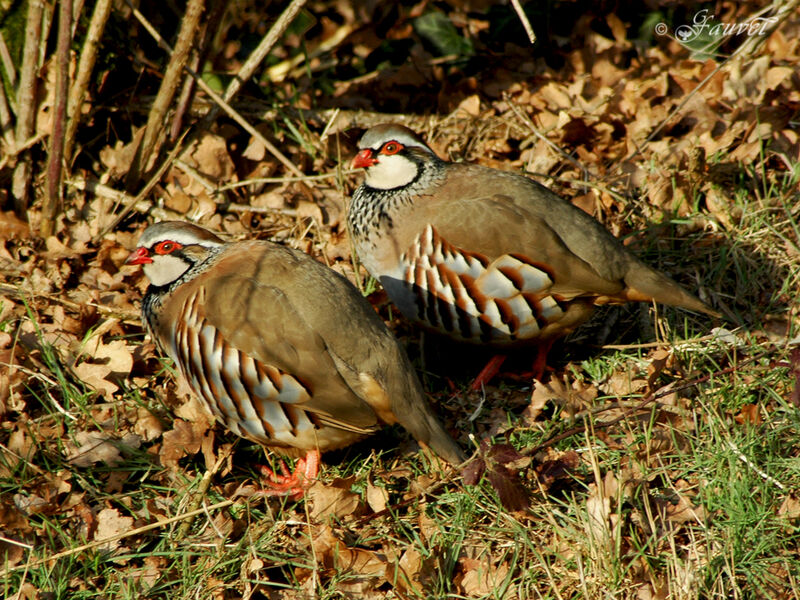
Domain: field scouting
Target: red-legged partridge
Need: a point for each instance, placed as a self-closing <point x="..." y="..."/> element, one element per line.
<point x="281" y="349"/>
<point x="487" y="256"/>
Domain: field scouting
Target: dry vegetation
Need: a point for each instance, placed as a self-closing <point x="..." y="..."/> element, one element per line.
<point x="660" y="460"/>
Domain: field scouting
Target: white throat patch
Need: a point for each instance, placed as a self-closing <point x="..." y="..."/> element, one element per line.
<point x="165" y="269"/>
<point x="391" y="172"/>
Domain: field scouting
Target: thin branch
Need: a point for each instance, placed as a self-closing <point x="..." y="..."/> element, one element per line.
<point x="216" y="12"/>
<point x="524" y="18"/>
<point x="527" y="121"/>
<point x="8" y="62"/>
<point x="55" y="157"/>
<point x="97" y="25"/>
<point x="6" y="126"/>
<point x="154" y="131"/>
<point x="260" y="53"/>
<point x="219" y="101"/>
<point x="151" y="183"/>
<point x="26" y="103"/>
<point x="644" y="404"/>
<point x="754" y="467"/>
<point x="120" y="536"/>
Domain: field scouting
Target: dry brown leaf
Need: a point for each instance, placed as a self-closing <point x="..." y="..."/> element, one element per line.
<point x="104" y="362"/>
<point x="27" y="591"/>
<point x="185" y="438"/>
<point x="623" y="383"/>
<point x="480" y="578"/>
<point x="12" y="227"/>
<point x="659" y="360"/>
<point x="679" y="508"/>
<point x="110" y="523"/>
<point x="790" y="508"/>
<point x="194" y="411"/>
<point x="363" y="569"/>
<point x="409" y="573"/>
<point x="147" y="425"/>
<point x="332" y="500"/>
<point x="469" y="106"/>
<point x="598" y="508"/>
<point x="210" y="160"/>
<point x="574" y="395"/>
<point x="99" y="446"/>
<point x="12" y="555"/>
<point x="119" y="158"/>
<point x="377" y="498"/>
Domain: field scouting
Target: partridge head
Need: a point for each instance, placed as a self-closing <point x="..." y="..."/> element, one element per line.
<point x="281" y="349"/>
<point x="487" y="256"/>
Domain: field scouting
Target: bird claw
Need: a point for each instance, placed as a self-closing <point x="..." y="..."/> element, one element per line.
<point x="291" y="484"/>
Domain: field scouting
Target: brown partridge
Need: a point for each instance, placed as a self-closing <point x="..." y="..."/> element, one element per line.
<point x="487" y="256"/>
<point x="281" y="349"/>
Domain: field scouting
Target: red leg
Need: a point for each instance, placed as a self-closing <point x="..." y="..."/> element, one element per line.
<point x="489" y="371"/>
<point x="292" y="484"/>
<point x="540" y="362"/>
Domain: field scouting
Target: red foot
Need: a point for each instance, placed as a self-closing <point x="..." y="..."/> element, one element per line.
<point x="294" y="484"/>
<point x="489" y="371"/>
<point x="540" y="362"/>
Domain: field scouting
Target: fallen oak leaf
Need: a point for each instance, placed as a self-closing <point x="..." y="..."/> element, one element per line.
<point x="111" y="523"/>
<point x="99" y="446"/>
<point x="184" y="439"/>
<point x="334" y="499"/>
<point x="364" y="568"/>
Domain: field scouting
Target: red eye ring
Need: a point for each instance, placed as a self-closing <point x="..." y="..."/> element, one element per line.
<point x="392" y="147"/>
<point x="167" y="247"/>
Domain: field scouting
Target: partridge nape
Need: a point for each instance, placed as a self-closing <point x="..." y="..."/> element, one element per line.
<point x="488" y="256"/>
<point x="279" y="348"/>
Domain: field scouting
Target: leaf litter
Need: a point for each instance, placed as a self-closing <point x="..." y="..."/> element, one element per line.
<point x="620" y="120"/>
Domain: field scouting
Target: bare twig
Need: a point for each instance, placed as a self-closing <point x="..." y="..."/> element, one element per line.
<point x="645" y="402"/>
<point x="56" y="153"/>
<point x="26" y="103"/>
<point x="8" y="62"/>
<point x="524" y="18"/>
<point x="77" y="7"/>
<point x="216" y="12"/>
<point x="783" y="10"/>
<point x="284" y="180"/>
<point x="221" y="103"/>
<point x="151" y="183"/>
<point x="97" y="25"/>
<point x="154" y="131"/>
<point x="260" y="53"/>
<point x="286" y="67"/>
<point x="246" y="208"/>
<point x="126" y="316"/>
<point x="120" y="536"/>
<point x="749" y="463"/>
<point x="200" y="493"/>
<point x="6" y="126"/>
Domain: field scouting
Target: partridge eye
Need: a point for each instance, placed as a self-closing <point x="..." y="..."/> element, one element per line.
<point x="392" y="148"/>
<point x="166" y="247"/>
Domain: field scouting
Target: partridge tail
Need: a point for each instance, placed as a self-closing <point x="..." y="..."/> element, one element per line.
<point x="646" y="284"/>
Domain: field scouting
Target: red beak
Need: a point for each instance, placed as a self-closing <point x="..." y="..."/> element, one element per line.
<point x="364" y="159"/>
<point x="140" y="256"/>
